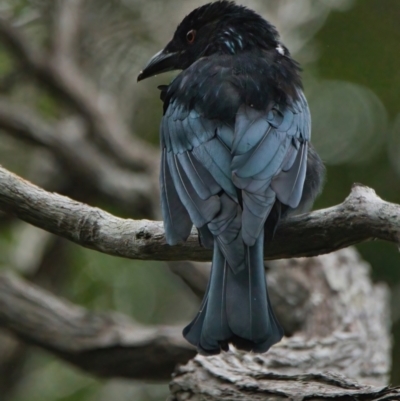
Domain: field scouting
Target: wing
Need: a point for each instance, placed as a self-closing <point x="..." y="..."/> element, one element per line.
<point x="208" y="163"/>
<point x="269" y="161"/>
<point x="196" y="182"/>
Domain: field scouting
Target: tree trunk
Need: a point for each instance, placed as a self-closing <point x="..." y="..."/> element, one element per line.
<point x="338" y="348"/>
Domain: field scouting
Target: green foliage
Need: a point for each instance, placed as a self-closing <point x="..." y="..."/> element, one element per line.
<point x="146" y="291"/>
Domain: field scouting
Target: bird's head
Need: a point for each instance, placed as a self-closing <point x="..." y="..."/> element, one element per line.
<point x="222" y="27"/>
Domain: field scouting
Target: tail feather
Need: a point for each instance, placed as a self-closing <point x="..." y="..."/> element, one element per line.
<point x="192" y="332"/>
<point x="215" y="327"/>
<point x="236" y="307"/>
<point x="204" y="333"/>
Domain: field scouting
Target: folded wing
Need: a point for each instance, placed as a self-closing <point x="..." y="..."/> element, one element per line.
<point x="269" y="161"/>
<point x="225" y="180"/>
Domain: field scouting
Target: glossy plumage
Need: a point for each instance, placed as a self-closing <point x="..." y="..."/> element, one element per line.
<point x="236" y="157"/>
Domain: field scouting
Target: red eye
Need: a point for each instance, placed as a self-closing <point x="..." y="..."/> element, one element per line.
<point x="190" y="36"/>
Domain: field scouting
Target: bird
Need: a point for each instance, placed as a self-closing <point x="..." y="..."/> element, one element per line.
<point x="236" y="158"/>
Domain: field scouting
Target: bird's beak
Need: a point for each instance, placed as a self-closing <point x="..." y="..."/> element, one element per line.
<point x="163" y="61"/>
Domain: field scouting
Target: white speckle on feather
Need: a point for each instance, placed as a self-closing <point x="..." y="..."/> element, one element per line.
<point x="280" y="49"/>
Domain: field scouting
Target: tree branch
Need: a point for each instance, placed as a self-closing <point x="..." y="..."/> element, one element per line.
<point x="363" y="216"/>
<point x="61" y="76"/>
<point x="70" y="146"/>
<point x="345" y="330"/>
<point x="104" y="344"/>
<point x="211" y="385"/>
<point x="340" y="352"/>
<point x="65" y="29"/>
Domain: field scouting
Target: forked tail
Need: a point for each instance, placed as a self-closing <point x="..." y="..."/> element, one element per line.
<point x="236" y="308"/>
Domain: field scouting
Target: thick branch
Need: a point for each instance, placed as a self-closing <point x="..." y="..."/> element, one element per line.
<point x="104" y="344"/>
<point x="361" y="217"/>
<point x="341" y="350"/>
<point x="345" y="330"/>
<point x="238" y="385"/>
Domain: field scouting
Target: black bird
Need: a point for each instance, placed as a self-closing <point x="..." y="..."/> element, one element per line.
<point x="236" y="157"/>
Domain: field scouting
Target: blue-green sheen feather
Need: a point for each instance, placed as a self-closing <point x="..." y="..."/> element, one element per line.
<point x="230" y="162"/>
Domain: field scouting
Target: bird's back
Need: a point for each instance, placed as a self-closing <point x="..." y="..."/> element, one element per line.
<point x="235" y="157"/>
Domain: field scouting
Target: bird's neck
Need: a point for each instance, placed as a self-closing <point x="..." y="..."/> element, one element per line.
<point x="219" y="84"/>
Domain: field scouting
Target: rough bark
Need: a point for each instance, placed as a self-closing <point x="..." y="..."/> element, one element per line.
<point x="342" y="328"/>
<point x="361" y="217"/>
<point x="341" y="349"/>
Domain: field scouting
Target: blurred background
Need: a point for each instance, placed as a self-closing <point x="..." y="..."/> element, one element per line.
<point x="349" y="50"/>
